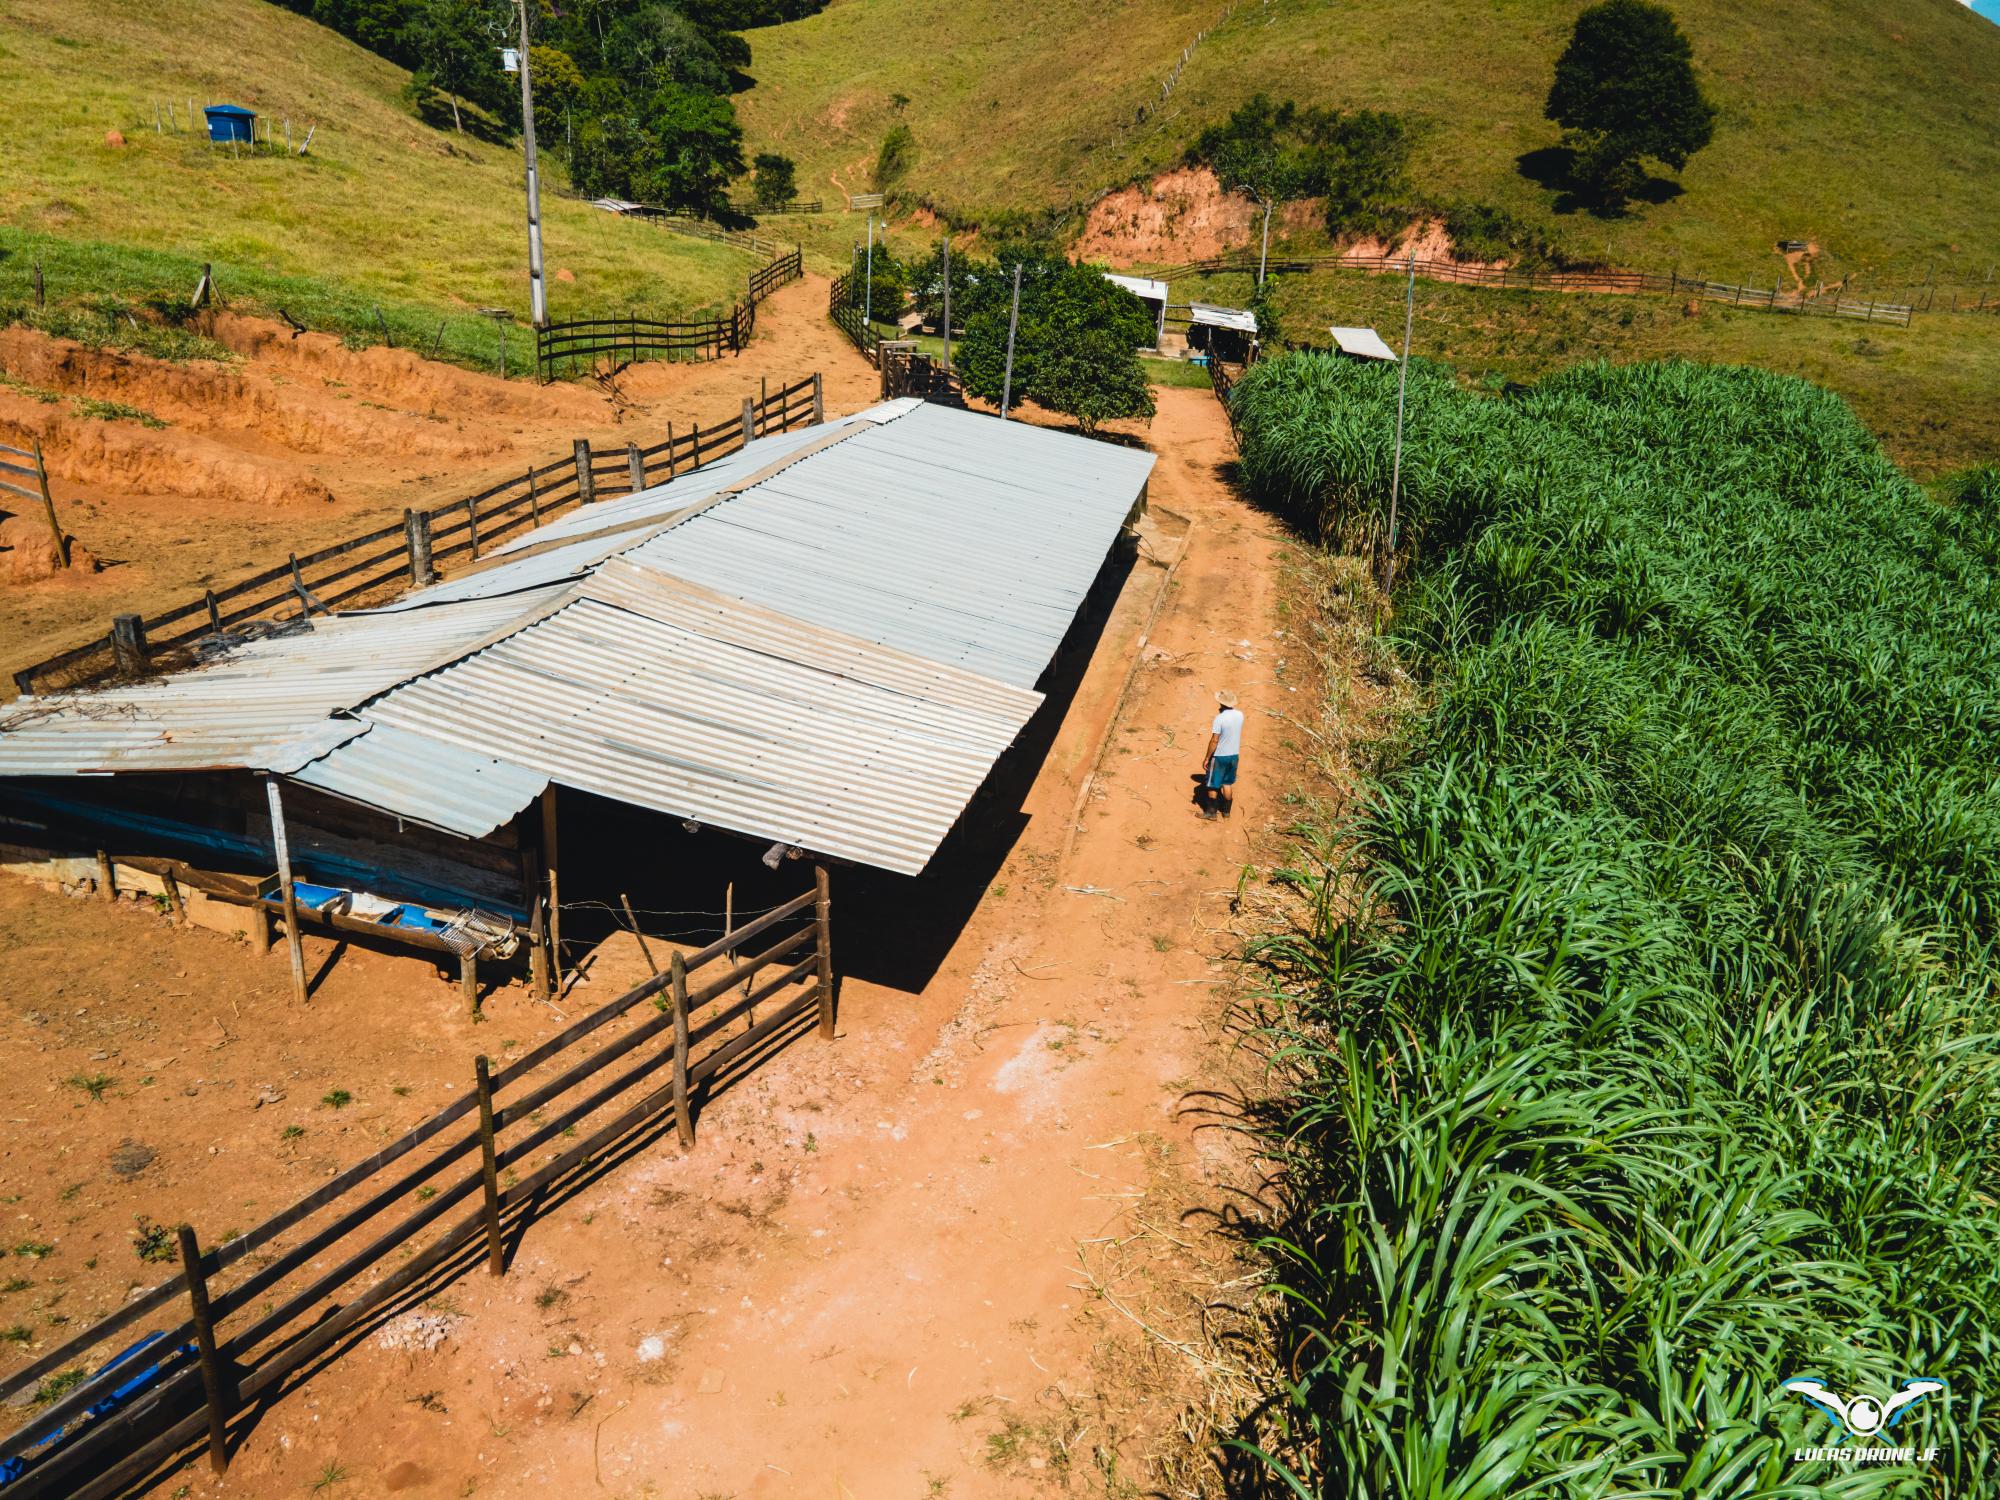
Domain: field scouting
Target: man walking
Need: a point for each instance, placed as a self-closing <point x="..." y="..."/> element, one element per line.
<point x="1225" y="743"/>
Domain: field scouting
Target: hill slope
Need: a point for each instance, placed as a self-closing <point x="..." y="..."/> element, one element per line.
<point x="384" y="204"/>
<point x="1866" y="126"/>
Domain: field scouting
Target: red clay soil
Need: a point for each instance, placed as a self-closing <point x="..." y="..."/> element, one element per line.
<point x="298" y="443"/>
<point x="868" y="1277"/>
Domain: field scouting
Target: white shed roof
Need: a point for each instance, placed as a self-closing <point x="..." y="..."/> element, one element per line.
<point x="1239" y="318"/>
<point x="1139" y="286"/>
<point x="1362" y="343"/>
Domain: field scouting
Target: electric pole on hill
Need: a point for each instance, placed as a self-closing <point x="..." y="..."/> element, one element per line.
<point x="538" y="297"/>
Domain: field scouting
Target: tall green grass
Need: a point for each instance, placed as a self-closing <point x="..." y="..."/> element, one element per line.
<point x="1643" y="1053"/>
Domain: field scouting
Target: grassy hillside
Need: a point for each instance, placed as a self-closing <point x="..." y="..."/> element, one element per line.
<point x="1866" y="126"/>
<point x="385" y="208"/>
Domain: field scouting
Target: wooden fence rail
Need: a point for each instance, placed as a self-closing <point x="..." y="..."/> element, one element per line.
<point x="404" y="554"/>
<point x="635" y="338"/>
<point x="189" y="1376"/>
<point x="1762" y="299"/>
<point x="38" y="471"/>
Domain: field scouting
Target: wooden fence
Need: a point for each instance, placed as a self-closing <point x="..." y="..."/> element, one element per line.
<point x="906" y="371"/>
<point x="38" y="471"/>
<point x="404" y="554"/>
<point x="1762" y="299"/>
<point x="113" y="1404"/>
<point x="634" y="337"/>
<point x="843" y="305"/>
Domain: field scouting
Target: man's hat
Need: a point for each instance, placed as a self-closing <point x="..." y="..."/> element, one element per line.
<point x="1226" y="698"/>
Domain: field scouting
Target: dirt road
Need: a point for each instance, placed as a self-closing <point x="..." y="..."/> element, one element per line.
<point x="866" y="1278"/>
<point x="186" y="476"/>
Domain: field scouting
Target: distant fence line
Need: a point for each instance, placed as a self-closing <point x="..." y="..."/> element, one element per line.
<point x="906" y="370"/>
<point x="634" y="337"/>
<point x="1762" y="299"/>
<point x="403" y="554"/>
<point x="242" y="1317"/>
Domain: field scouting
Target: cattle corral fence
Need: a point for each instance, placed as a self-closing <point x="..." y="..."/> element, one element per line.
<point x="906" y="370"/>
<point x="1511" y="278"/>
<point x="633" y="337"/>
<point x="214" y="1350"/>
<point x="404" y="553"/>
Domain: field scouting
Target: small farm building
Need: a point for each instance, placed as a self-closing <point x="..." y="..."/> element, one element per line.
<point x="1225" y="333"/>
<point x="822" y="643"/>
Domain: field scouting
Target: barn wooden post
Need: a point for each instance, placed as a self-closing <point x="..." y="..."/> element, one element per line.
<point x="586" y="487"/>
<point x="549" y="864"/>
<point x="417" y="530"/>
<point x="212" y="1387"/>
<point x="489" y="1165"/>
<point x="823" y="918"/>
<point x="128" y="644"/>
<point x="174" y="902"/>
<point x="284" y="853"/>
<point x="107" y="880"/>
<point x="683" y="1125"/>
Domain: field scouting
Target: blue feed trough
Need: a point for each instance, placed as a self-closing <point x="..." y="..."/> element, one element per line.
<point x="231" y="122"/>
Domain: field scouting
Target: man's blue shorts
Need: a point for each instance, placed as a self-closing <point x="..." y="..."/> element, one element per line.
<point x="1221" y="772"/>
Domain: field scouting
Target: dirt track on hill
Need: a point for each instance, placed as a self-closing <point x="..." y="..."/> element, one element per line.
<point x="299" y="443"/>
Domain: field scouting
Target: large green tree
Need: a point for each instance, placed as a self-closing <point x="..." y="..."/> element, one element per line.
<point x="1075" y="351"/>
<point x="1354" y="159"/>
<point x="1625" y="91"/>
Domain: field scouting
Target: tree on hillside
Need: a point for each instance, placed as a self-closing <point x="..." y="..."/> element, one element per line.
<point x="1075" y="350"/>
<point x="1625" y="90"/>
<point x="1354" y="159"/>
<point x="776" y="182"/>
<point x="452" y="46"/>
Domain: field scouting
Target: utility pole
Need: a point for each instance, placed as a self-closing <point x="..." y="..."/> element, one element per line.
<point x="1402" y="383"/>
<point x="947" y="298"/>
<point x="868" y="290"/>
<point x="1013" y="319"/>
<point x="538" y="297"/>
<point x="1264" y="256"/>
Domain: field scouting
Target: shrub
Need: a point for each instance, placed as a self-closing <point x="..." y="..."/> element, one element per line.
<point x="894" y="160"/>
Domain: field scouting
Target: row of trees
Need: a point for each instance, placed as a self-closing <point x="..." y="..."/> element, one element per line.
<point x="635" y="95"/>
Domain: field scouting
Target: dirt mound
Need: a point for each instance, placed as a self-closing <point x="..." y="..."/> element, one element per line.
<point x="124" y="456"/>
<point x="28" y="552"/>
<point x="402" y="377"/>
<point x="1180" y="215"/>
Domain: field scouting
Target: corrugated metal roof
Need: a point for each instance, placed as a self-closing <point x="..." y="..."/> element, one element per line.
<point x="945" y="534"/>
<point x="1363" y="343"/>
<point x="658" y="693"/>
<point x="425" y="780"/>
<point x="264" y="706"/>
<point x="1239" y="318"/>
<point x="826" y="639"/>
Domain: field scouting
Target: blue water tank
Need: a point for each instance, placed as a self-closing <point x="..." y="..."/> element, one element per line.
<point x="231" y="122"/>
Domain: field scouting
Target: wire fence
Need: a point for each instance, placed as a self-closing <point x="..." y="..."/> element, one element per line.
<point x="382" y="563"/>
<point x="1774" y="298"/>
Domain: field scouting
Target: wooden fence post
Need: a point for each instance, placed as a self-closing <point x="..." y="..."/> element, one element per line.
<point x="823" y="919"/>
<point x="212" y="1387"/>
<point x="283" y="849"/>
<point x="417" y="530"/>
<point x="534" y="501"/>
<point x="107" y="880"/>
<point x="637" y="464"/>
<point x="819" y="404"/>
<point x="586" y="487"/>
<point x="670" y="450"/>
<point x="49" y="504"/>
<point x="683" y="1125"/>
<point x="489" y="1166"/>
<point x="472" y="525"/>
<point x="749" y="419"/>
<point x="128" y="644"/>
